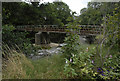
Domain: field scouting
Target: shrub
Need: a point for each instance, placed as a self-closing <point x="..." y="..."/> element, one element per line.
<point x="13" y="38"/>
<point x="81" y="65"/>
<point x="111" y="68"/>
<point x="72" y="45"/>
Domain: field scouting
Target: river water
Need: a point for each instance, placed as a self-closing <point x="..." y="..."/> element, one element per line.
<point x="55" y="49"/>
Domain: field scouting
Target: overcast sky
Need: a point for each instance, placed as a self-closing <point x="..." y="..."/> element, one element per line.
<point x="74" y="5"/>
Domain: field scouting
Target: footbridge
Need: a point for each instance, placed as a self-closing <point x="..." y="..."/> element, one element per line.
<point x="42" y="37"/>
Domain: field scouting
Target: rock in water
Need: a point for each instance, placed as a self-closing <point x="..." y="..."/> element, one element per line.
<point x="61" y="45"/>
<point x="54" y="45"/>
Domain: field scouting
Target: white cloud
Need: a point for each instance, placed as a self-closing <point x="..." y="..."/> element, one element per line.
<point x="42" y="1"/>
<point x="105" y="0"/>
<point x="76" y="5"/>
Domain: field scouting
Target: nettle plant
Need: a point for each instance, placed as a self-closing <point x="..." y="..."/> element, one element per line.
<point x="81" y="65"/>
<point x="72" y="46"/>
<point x="72" y="39"/>
<point x="79" y="62"/>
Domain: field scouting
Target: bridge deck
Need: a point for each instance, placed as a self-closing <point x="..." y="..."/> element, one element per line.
<point x="81" y="29"/>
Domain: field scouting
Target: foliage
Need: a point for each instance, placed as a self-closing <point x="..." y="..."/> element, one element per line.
<point x="81" y="65"/>
<point x="13" y="38"/>
<point x="110" y="58"/>
<point x="10" y="37"/>
<point x="112" y="28"/>
<point x="21" y="13"/>
<point x="71" y="46"/>
<point x="111" y="69"/>
<point x="78" y="61"/>
<point x="72" y="39"/>
<point x="95" y="12"/>
<point x="98" y="38"/>
<point x="87" y="65"/>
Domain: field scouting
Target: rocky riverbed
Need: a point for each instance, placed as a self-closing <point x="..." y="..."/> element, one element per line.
<point x="55" y="49"/>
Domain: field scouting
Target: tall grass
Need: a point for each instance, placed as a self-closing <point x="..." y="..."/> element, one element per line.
<point x="18" y="66"/>
<point x="48" y="68"/>
<point x="12" y="67"/>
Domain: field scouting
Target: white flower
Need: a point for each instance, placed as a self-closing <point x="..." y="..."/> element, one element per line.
<point x="106" y="56"/>
<point x="70" y="60"/>
<point x="66" y="62"/>
<point x="92" y="61"/>
<point x="87" y="49"/>
<point x="110" y="56"/>
<point x="73" y="55"/>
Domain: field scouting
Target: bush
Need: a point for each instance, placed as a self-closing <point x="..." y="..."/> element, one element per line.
<point x="13" y="38"/>
<point x="111" y="68"/>
<point x="86" y="64"/>
<point x="72" y="45"/>
<point x="81" y="65"/>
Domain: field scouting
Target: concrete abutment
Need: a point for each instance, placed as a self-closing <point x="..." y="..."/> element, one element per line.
<point x="42" y="38"/>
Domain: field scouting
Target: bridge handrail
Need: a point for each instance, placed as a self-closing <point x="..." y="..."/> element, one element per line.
<point x="56" y="25"/>
<point x="80" y="28"/>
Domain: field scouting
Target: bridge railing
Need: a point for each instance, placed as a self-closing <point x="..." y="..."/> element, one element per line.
<point x="81" y="29"/>
<point x="87" y="29"/>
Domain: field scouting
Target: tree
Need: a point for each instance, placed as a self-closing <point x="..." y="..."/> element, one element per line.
<point x="62" y="11"/>
<point x="55" y="13"/>
<point x="95" y="12"/>
<point x="35" y="13"/>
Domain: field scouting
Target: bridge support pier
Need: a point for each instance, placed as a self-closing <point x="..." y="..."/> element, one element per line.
<point x="90" y="39"/>
<point x="42" y="38"/>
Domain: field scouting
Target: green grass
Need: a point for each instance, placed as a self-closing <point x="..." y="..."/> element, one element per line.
<point x="19" y="67"/>
<point x="47" y="68"/>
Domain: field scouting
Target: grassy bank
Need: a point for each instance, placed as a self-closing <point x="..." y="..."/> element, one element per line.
<point x="48" y="68"/>
<point x="17" y="66"/>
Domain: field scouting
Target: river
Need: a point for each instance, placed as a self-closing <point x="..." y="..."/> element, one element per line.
<point x="55" y="49"/>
